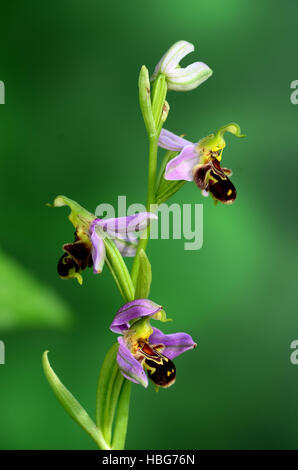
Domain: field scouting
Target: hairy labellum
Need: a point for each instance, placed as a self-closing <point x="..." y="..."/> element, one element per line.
<point x="67" y="266"/>
<point x="80" y="252"/>
<point x="221" y="188"/>
<point x="201" y="175"/>
<point x="161" y="370"/>
<point x="76" y="258"/>
<point x="211" y="177"/>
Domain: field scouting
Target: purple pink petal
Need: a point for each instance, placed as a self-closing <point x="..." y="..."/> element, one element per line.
<point x="170" y="141"/>
<point x="175" y="343"/>
<point x="130" y="368"/>
<point x="132" y="223"/>
<point x="135" y="309"/>
<point x="181" y="167"/>
<point x="98" y="251"/>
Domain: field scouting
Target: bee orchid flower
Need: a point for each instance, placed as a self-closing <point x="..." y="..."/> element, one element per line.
<point x="88" y="249"/>
<point x="179" y="78"/>
<point x="200" y="162"/>
<point x="144" y="348"/>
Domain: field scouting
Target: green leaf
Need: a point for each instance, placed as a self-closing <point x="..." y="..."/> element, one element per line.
<point x="169" y="188"/>
<point x="115" y="385"/>
<point x="104" y="380"/>
<point x="71" y="405"/>
<point x="108" y="389"/>
<point x="144" y="277"/>
<point x="27" y="302"/>
<point x="121" y="420"/>
<point x="112" y="401"/>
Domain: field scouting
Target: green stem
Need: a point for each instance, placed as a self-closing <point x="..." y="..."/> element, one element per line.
<point x="158" y="100"/>
<point x="113" y="394"/>
<point x="153" y="147"/>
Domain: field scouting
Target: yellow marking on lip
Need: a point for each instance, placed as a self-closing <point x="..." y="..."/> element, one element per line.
<point x="229" y="192"/>
<point x="220" y="155"/>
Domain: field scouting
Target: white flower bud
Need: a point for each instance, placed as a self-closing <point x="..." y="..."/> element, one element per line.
<point x="178" y="78"/>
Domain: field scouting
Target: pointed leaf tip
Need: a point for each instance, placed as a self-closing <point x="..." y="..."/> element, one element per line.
<point x="71" y="405"/>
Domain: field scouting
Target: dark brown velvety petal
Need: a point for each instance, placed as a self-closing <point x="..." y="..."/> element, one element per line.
<point x="163" y="375"/>
<point x="67" y="264"/>
<point x="223" y="190"/>
<point x="201" y="175"/>
<point x="161" y="370"/>
<point x="80" y="252"/>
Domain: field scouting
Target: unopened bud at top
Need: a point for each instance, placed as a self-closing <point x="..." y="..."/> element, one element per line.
<point x="178" y="78"/>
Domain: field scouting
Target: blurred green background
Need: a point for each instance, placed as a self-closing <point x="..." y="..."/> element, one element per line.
<point x="71" y="125"/>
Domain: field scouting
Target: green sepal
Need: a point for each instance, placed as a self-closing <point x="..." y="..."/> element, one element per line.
<point x="232" y="127"/>
<point x="216" y="142"/>
<point x="71" y="405"/>
<point x="78" y="215"/>
<point x="144" y="278"/>
<point x="161" y="316"/>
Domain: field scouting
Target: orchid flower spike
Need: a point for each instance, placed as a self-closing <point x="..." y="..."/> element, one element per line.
<point x="143" y="348"/>
<point x="178" y="78"/>
<point x="200" y="162"/>
<point x="91" y="233"/>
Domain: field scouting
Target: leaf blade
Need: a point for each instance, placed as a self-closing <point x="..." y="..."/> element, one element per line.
<point x="121" y="419"/>
<point x="71" y="405"/>
<point x="103" y="383"/>
<point x="144" y="278"/>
